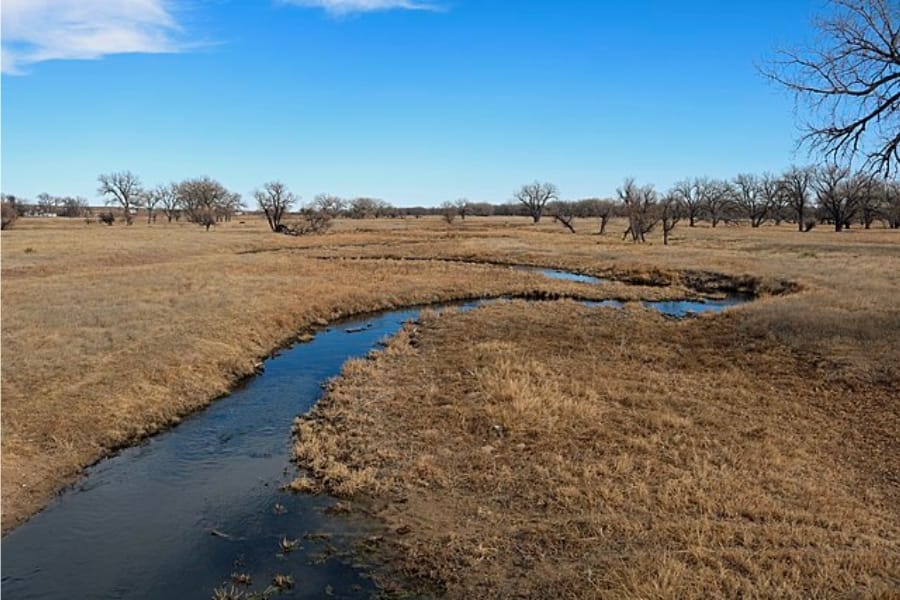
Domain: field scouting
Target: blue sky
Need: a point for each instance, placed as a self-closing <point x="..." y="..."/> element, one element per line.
<point x="408" y="101"/>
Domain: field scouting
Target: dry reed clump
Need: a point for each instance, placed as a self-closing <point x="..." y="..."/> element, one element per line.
<point x="555" y="450"/>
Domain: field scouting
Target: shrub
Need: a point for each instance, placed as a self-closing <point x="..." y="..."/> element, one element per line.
<point x="9" y="215"/>
<point x="311" y="222"/>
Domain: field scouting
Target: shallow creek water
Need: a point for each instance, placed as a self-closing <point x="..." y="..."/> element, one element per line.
<point x="175" y="516"/>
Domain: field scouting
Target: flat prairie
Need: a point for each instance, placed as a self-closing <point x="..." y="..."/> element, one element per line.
<point x="539" y="448"/>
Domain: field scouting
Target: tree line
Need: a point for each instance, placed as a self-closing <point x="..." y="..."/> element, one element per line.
<point x="806" y="196"/>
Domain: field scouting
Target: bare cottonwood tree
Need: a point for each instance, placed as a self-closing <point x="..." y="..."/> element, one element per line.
<point x="151" y="199"/>
<point x="275" y="199"/>
<point x="449" y="212"/>
<point x="312" y="220"/>
<point x="691" y="198"/>
<point x="872" y="199"/>
<point x="851" y="83"/>
<point x="168" y="199"/>
<point x="229" y="207"/>
<point x="8" y="212"/>
<point x="605" y="211"/>
<point x="671" y="210"/>
<point x="46" y="204"/>
<point x="122" y="188"/>
<point x="751" y="199"/>
<point x="717" y="199"/>
<point x="600" y="208"/>
<point x="774" y="195"/>
<point x="202" y="199"/>
<point x="74" y="207"/>
<point x="836" y="195"/>
<point x="462" y="207"/>
<point x="563" y="213"/>
<point x="892" y="204"/>
<point x="362" y="208"/>
<point x="535" y="196"/>
<point x="796" y="186"/>
<point x="480" y="209"/>
<point x="639" y="205"/>
<point x="329" y="204"/>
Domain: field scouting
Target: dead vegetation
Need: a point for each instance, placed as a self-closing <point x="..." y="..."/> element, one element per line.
<point x="554" y="450"/>
<point x="111" y="334"/>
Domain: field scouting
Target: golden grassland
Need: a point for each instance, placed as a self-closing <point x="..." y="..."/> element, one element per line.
<point x="754" y="450"/>
<point x="111" y="333"/>
<point x="552" y="450"/>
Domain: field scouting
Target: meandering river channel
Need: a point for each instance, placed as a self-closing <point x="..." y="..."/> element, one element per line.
<point x="177" y="515"/>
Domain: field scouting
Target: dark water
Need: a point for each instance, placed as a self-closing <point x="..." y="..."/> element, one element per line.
<point x="139" y="524"/>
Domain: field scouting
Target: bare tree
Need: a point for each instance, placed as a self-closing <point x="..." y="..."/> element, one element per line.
<point x="73" y="206"/>
<point x="122" y="188"/>
<point x="201" y="199"/>
<point x="275" y="199"/>
<point x="535" y="196"/>
<point x="797" y="182"/>
<point x="168" y="199"/>
<point x="717" y="199"/>
<point x="850" y="82"/>
<point x="8" y="212"/>
<point x="671" y="210"/>
<point x="691" y="198"/>
<point x="462" y="207"/>
<point x="46" y="204"/>
<point x="836" y="195"/>
<point x="152" y="199"/>
<point x="871" y="203"/>
<point x="595" y="207"/>
<point x="363" y="207"/>
<point x="563" y="213"/>
<point x="229" y="207"/>
<point x="605" y="210"/>
<point x="480" y="209"/>
<point x="312" y="220"/>
<point x="773" y="193"/>
<point x="328" y="204"/>
<point x="639" y="204"/>
<point x="892" y="204"/>
<point x="751" y="199"/>
<point x="449" y="212"/>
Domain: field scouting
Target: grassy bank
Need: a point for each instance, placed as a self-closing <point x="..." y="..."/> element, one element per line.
<point x="554" y="450"/>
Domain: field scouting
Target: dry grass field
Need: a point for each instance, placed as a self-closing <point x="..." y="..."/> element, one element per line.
<point x="112" y="333"/>
<point x="753" y="452"/>
<point x="557" y="451"/>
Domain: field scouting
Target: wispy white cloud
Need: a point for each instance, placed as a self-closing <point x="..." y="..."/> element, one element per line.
<point x="38" y="30"/>
<point x="346" y="7"/>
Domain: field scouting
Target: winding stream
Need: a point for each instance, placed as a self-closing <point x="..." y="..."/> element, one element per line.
<point x="175" y="516"/>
